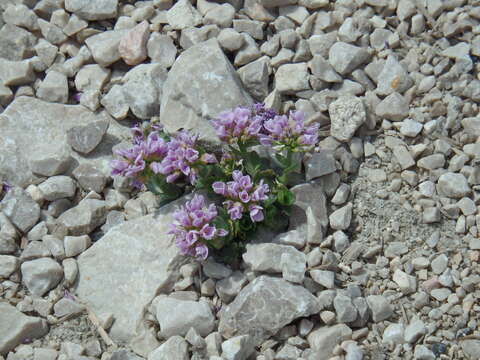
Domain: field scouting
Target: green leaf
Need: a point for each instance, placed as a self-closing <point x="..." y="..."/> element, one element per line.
<point x="286" y="197"/>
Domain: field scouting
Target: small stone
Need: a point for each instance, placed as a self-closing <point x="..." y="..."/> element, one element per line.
<point x="97" y="10"/>
<point x="453" y="185"/>
<point x="41" y="275"/>
<point x="431" y="215"/>
<point x="115" y="103"/>
<point x="161" y="49"/>
<point x="90" y="178"/>
<point x="410" y="128"/>
<point x="344" y="308"/>
<point x="248" y="52"/>
<point x="8" y="264"/>
<point x="70" y="269"/>
<point x="229" y="287"/>
<point x="325" y="338"/>
<point x="394" y="107"/>
<point x="84" y="139"/>
<point x="238" y="348"/>
<point x="255" y="78"/>
<point x="20" y="209"/>
<point x="133" y="45"/>
<point x="292" y="78"/>
<point x="414" y="331"/>
<point x="440" y="294"/>
<point x="54" y="88"/>
<point x="230" y="39"/>
<point x="91" y="77"/>
<point x="66" y="307"/>
<point x="216" y="270"/>
<point x="75" y="245"/>
<point x="394" y="333"/>
<point x="57" y="187"/>
<point x="85" y="217"/>
<point x="175" y="348"/>
<point x="16" y="72"/>
<point x="176" y="317"/>
<point x="380" y="307"/>
<point x="18" y="329"/>
<point x="393" y="78"/>
<point x="471" y="348"/>
<point x="221" y="15"/>
<point x="341" y="218"/>
<point x="345" y="57"/>
<point x="403" y="156"/>
<point x="431" y="162"/>
<point x="183" y="15"/>
<point x="51" y="33"/>
<point x="406" y="283"/>
<point x="104" y="46"/>
<point x="347" y="114"/>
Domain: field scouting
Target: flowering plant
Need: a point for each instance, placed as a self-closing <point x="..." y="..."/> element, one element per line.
<point x="246" y="189"/>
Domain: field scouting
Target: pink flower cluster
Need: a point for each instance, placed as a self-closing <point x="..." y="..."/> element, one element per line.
<point x="289" y="132"/>
<point x="242" y="196"/>
<point x="174" y="158"/>
<point x="237" y="124"/>
<point x="192" y="228"/>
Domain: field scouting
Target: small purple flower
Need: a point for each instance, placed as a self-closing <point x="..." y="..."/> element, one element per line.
<point x="192" y="227"/>
<point x="289" y="132"/>
<point x="242" y="196"/>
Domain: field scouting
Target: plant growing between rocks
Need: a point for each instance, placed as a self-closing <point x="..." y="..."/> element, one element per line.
<point x="247" y="188"/>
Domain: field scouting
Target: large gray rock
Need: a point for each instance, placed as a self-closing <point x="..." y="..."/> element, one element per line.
<point x="124" y="270"/>
<point x="30" y="127"/>
<point x="17" y="327"/>
<point x="201" y="84"/>
<point x="264" y="306"/>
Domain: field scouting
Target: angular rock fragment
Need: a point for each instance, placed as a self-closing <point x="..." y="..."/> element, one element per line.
<point x="93" y="10"/>
<point x="104" y="46"/>
<point x="17" y="327"/>
<point x="264" y="307"/>
<point x="201" y="84"/>
<point x="85" y="217"/>
<point x="84" y="139"/>
<point x="41" y="275"/>
<point x="133" y="45"/>
<point x="347" y="114"/>
<point x="345" y="57"/>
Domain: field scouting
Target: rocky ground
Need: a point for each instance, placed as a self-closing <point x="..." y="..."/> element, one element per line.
<point x="381" y="260"/>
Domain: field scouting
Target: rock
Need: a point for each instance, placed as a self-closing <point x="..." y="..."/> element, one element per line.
<point x="230" y="39"/>
<point x="347" y="114"/>
<point x="115" y="103"/>
<point x="90" y="178"/>
<point x="345" y="57"/>
<point x="175" y="348"/>
<point x="221" y="15"/>
<point x="346" y="311"/>
<point x="411" y="128"/>
<point x="70" y="269"/>
<point x="36" y="133"/>
<point x="394" y="107"/>
<point x="110" y="268"/>
<point x="104" y="46"/>
<point x="406" y="283"/>
<point x="143" y="89"/>
<point x="326" y="338"/>
<point x="321" y="163"/>
<point x="97" y="10"/>
<point x="238" y="348"/>
<point x="403" y="156"/>
<point x="341" y="218"/>
<point x="20" y="15"/>
<point x="74" y="25"/>
<point x="75" y="245"/>
<point x="8" y="264"/>
<point x="16" y="72"/>
<point x="51" y="32"/>
<point x="57" y="187"/>
<point x="66" y="307"/>
<point x="291" y="78"/>
<point x="274" y="258"/>
<point x="380" y="308"/>
<point x="91" y="77"/>
<point x="265" y="306"/>
<point x="254" y="77"/>
<point x="439" y="264"/>
<point x="183" y="15"/>
<point x="54" y="88"/>
<point x="177" y="316"/>
<point x="20" y="209"/>
<point x="393" y="78"/>
<point x="394" y="333"/>
<point x="229" y="287"/>
<point x="453" y="185"/>
<point x="133" y="45"/>
<point x="472" y="125"/>
<point x="414" y="331"/>
<point x="202" y="66"/>
<point x="17" y="327"/>
<point x="161" y="49"/>
<point x="248" y="52"/>
<point x="85" y="217"/>
<point x="324" y="278"/>
<point x="471" y="348"/>
<point x="215" y="270"/>
<point x="276" y="3"/>
<point x="322" y="69"/>
<point x="41" y="275"/>
<point x="84" y="139"/>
